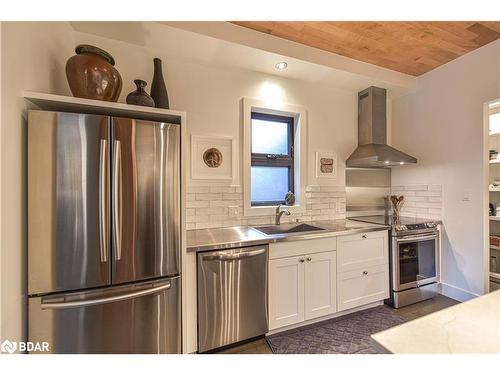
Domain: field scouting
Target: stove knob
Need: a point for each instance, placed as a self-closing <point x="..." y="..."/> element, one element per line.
<point x="430" y="225"/>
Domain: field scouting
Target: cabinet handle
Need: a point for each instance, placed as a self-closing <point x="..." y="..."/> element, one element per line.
<point x="301" y="260"/>
<point x="308" y="259"/>
<point x="363" y="236"/>
<point x="365" y="273"/>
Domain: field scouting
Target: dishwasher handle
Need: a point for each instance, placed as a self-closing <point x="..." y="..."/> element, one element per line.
<point x="224" y="256"/>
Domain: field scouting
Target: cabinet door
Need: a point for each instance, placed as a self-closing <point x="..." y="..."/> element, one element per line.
<point x="362" y="250"/>
<point x="286" y="291"/>
<point x="363" y="286"/>
<point x="320" y="285"/>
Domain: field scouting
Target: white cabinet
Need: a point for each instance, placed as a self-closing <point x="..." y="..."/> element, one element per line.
<point x="362" y="250"/>
<point x="363" y="269"/>
<point x="320" y="285"/>
<point x="363" y="286"/>
<point x="286" y="291"/>
<point x="301" y="288"/>
<point x="310" y="279"/>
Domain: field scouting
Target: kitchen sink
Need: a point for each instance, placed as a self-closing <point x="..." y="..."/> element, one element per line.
<point x="287" y="229"/>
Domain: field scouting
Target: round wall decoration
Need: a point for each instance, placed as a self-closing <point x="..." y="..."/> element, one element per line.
<point x="212" y="158"/>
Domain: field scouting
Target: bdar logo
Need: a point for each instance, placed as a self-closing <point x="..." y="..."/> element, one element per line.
<point x="8" y="347"/>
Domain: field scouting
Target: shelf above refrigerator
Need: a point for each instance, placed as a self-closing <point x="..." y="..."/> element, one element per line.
<point x="62" y="103"/>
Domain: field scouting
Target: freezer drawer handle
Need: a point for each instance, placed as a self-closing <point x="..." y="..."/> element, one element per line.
<point x="100" y="301"/>
<point x="222" y="256"/>
<point x="103" y="227"/>
<point x="117" y="200"/>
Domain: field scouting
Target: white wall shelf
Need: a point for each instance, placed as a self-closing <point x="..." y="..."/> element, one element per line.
<point x="62" y="103"/>
<point x="494" y="161"/>
<point x="495" y="218"/>
<point x="495" y="189"/>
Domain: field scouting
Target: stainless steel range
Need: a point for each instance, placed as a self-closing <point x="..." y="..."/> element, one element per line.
<point x="413" y="259"/>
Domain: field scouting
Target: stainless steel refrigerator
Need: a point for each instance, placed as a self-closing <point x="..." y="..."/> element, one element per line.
<point x="103" y="234"/>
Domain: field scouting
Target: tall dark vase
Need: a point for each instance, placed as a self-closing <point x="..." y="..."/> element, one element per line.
<point x="158" y="88"/>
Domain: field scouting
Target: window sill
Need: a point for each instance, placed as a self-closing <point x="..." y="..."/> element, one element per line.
<point x="271" y="210"/>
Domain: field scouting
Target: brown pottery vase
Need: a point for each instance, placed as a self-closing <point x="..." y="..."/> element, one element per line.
<point x="91" y="74"/>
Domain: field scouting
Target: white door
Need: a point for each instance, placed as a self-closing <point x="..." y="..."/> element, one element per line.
<point x="320" y="285"/>
<point x="286" y="291"/>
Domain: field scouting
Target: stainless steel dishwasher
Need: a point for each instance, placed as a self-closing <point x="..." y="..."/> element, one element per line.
<point x="232" y="296"/>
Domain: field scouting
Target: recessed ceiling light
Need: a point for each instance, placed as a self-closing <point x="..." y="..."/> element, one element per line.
<point x="386" y="162"/>
<point x="281" y="65"/>
<point x="401" y="162"/>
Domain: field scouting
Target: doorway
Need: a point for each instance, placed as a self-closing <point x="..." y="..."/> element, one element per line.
<point x="492" y="119"/>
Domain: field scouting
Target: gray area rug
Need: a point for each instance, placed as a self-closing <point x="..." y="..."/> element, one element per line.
<point x="348" y="334"/>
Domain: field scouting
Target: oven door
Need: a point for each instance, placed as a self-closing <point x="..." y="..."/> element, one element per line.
<point x="415" y="260"/>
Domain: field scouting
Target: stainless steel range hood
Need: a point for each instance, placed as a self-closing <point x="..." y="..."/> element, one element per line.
<point x="373" y="150"/>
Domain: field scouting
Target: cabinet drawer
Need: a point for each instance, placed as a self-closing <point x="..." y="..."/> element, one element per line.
<point x="362" y="250"/>
<point x="301" y="247"/>
<point x="359" y="287"/>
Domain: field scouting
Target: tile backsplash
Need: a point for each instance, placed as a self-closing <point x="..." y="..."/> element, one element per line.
<point x="421" y="200"/>
<point x="208" y="206"/>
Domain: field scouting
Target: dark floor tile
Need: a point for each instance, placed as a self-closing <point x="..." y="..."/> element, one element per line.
<point x="410" y="312"/>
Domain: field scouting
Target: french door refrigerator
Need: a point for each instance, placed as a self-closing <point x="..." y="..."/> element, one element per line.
<point x="103" y="234"/>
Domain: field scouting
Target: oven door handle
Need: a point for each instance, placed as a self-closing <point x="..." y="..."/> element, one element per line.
<point x="415" y="238"/>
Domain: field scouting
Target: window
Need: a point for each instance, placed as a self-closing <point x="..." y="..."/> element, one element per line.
<point x="272" y="169"/>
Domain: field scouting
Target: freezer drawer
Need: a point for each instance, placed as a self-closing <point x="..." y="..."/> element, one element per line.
<point x="232" y="296"/>
<point x="138" y="318"/>
<point x="68" y="201"/>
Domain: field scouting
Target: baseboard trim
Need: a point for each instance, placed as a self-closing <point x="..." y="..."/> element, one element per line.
<point x="456" y="293"/>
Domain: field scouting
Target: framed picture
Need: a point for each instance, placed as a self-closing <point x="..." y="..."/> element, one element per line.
<point x="326" y="164"/>
<point x="212" y="157"/>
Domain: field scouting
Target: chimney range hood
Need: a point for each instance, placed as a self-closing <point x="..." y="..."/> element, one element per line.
<point x="373" y="150"/>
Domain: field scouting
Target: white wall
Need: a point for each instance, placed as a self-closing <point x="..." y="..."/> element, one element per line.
<point x="441" y="124"/>
<point x="33" y="58"/>
<point x="211" y="96"/>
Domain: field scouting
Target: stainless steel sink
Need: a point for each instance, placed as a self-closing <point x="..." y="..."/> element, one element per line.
<point x="287" y="229"/>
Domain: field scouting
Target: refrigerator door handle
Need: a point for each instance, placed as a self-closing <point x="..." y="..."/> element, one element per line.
<point x="117" y="200"/>
<point x="103" y="227"/>
<point x="100" y="301"/>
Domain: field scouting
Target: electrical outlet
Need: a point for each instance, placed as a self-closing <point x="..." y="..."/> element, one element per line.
<point x="233" y="211"/>
<point x="466" y="196"/>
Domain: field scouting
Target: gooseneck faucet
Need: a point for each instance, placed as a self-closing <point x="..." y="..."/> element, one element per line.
<point x="279" y="213"/>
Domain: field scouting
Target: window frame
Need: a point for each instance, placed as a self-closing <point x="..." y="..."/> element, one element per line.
<point x="275" y="160"/>
<point x="301" y="160"/>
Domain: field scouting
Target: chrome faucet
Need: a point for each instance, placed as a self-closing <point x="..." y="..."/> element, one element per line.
<point x="279" y="213"/>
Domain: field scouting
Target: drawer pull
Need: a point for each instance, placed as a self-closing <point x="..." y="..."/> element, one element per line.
<point x="308" y="259"/>
<point x="363" y="236"/>
<point x="301" y="260"/>
<point x="365" y="273"/>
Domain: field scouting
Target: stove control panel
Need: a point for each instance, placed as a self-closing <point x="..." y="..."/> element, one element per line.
<point x="419" y="226"/>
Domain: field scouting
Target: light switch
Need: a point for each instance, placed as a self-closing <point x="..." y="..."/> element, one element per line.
<point x="233" y="211"/>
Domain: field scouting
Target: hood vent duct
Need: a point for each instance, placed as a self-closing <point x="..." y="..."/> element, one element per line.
<point x="373" y="150"/>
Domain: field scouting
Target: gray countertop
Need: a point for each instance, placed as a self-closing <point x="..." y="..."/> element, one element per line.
<point x="225" y="238"/>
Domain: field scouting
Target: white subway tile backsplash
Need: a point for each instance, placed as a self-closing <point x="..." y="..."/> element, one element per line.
<point x="421" y="200"/>
<point x="207" y="206"/>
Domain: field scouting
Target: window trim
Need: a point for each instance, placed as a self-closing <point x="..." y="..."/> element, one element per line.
<point x="299" y="114"/>
<point x="275" y="160"/>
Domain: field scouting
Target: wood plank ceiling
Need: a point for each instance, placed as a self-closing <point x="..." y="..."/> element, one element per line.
<point x="408" y="47"/>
